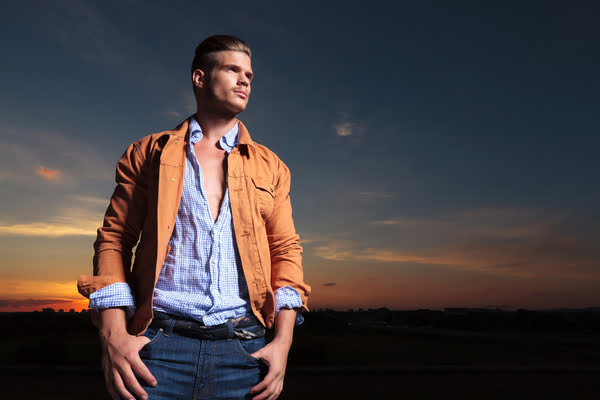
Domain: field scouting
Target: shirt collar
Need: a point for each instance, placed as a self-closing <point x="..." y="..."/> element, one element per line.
<point x="227" y="142"/>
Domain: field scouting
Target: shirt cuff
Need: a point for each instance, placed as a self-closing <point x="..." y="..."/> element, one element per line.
<point x="115" y="295"/>
<point x="288" y="297"/>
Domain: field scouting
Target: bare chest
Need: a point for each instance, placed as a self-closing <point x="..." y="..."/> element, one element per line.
<point x="212" y="160"/>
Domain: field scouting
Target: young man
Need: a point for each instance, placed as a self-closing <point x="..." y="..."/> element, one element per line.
<point x="218" y="257"/>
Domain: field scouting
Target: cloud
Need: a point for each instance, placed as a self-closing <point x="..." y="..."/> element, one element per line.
<point x="375" y="195"/>
<point x="74" y="160"/>
<point x="15" y="303"/>
<point x="50" y="174"/>
<point x="483" y="221"/>
<point x="56" y="210"/>
<point x="344" y="128"/>
<point x="92" y="200"/>
<point x="329" y="284"/>
<point x="509" y="242"/>
<point x="174" y="115"/>
<point x="30" y="295"/>
<point x="82" y="228"/>
<point x="73" y="221"/>
<point x="346" y="250"/>
<point x="387" y="222"/>
<point x="524" y="259"/>
<point x="22" y="290"/>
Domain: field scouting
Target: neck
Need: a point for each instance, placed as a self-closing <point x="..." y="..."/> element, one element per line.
<point x="214" y="127"/>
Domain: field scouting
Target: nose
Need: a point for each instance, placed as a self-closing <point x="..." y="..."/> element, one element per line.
<point x="243" y="80"/>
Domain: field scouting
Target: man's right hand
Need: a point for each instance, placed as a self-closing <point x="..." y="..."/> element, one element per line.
<point x="120" y="357"/>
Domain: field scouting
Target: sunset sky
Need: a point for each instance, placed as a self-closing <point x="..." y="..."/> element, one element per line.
<point x="443" y="154"/>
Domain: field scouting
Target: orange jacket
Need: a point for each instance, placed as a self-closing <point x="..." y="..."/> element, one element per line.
<point x="146" y="199"/>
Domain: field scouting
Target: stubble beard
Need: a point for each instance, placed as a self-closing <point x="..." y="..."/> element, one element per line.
<point x="214" y="105"/>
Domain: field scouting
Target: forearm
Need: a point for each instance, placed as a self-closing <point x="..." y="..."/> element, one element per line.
<point x="284" y="327"/>
<point x="112" y="322"/>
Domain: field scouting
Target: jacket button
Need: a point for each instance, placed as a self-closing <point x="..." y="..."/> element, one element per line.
<point x="172" y="179"/>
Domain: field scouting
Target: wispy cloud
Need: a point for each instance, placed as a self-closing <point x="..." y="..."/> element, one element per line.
<point x="81" y="216"/>
<point x="91" y="200"/>
<point x="26" y="303"/>
<point x="72" y="159"/>
<point x="511" y="242"/>
<point x="347" y="126"/>
<point x="186" y="106"/>
<point x="83" y="228"/>
<point x="516" y="259"/>
<point x="174" y="114"/>
<point x="484" y="221"/>
<point x="26" y="289"/>
<point x="29" y="295"/>
<point x="373" y="195"/>
<point x="344" y="128"/>
<point x="49" y="174"/>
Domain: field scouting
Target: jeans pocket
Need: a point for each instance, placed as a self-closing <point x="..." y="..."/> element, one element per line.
<point x="246" y="347"/>
<point x="153" y="335"/>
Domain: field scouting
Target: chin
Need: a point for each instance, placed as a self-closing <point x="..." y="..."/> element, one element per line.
<point x="237" y="108"/>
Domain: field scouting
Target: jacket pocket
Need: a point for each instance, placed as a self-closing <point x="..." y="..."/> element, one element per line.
<point x="265" y="195"/>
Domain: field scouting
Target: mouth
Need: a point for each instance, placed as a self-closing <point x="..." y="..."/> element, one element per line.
<point x="241" y="93"/>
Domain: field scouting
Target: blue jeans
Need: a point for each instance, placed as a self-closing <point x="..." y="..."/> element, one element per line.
<point x="190" y="368"/>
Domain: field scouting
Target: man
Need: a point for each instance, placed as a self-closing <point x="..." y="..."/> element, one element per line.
<point x="218" y="258"/>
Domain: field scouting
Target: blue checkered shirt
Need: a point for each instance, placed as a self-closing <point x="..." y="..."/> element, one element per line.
<point x="202" y="276"/>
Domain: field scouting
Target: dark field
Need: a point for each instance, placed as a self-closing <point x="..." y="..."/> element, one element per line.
<point x="344" y="356"/>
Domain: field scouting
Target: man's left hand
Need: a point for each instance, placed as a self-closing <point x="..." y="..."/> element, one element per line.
<point x="275" y="356"/>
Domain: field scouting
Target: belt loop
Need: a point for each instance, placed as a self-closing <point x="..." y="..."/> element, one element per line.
<point x="229" y="329"/>
<point x="170" y="324"/>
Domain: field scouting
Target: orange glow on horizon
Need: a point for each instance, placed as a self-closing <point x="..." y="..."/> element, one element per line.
<point x="76" y="305"/>
<point x="27" y="296"/>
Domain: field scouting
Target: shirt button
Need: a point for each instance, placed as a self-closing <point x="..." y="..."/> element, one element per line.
<point x="172" y="179"/>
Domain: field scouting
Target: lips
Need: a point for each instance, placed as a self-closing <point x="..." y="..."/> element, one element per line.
<point x="241" y="93"/>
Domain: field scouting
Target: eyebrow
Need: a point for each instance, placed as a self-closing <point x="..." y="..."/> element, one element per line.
<point x="237" y="66"/>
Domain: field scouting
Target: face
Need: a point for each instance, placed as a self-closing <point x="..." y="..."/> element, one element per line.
<point x="227" y="89"/>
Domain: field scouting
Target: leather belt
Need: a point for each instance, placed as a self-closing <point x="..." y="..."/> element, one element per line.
<point x="244" y="328"/>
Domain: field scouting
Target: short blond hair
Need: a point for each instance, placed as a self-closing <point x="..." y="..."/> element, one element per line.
<point x="203" y="57"/>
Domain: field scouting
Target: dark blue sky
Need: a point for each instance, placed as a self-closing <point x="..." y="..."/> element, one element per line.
<point x="435" y="147"/>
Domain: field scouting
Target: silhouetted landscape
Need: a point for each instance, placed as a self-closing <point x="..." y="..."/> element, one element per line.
<point x="371" y="354"/>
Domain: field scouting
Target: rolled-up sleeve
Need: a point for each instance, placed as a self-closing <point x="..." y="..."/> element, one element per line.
<point x="288" y="297"/>
<point x="284" y="242"/>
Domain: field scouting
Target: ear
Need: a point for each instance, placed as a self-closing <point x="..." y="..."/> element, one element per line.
<point x="198" y="78"/>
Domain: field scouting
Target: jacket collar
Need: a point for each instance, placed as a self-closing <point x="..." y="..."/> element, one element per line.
<point x="182" y="131"/>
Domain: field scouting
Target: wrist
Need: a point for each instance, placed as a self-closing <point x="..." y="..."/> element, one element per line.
<point x="284" y="327"/>
<point x="112" y="322"/>
<point x="283" y="341"/>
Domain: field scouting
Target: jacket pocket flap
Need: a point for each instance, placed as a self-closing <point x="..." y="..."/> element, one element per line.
<point x="264" y="186"/>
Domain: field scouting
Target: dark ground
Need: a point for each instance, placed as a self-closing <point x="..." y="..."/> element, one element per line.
<point x="338" y="356"/>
